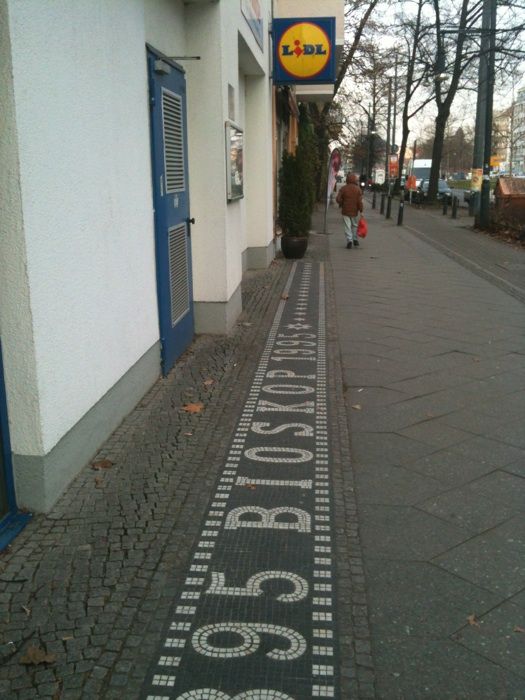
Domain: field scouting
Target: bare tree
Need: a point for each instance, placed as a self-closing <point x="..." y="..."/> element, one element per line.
<point x="357" y="14"/>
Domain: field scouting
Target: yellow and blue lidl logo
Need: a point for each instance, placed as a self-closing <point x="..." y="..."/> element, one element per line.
<point x="303" y="50"/>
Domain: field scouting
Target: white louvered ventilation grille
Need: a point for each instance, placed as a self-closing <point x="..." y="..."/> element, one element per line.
<point x="173" y="143"/>
<point x="179" y="278"/>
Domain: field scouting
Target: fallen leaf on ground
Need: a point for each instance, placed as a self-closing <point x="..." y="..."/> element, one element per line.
<point x="476" y="359"/>
<point x="357" y="407"/>
<point x="26" y="610"/>
<point x="36" y="655"/>
<point x="66" y="639"/>
<point x="285" y="296"/>
<point x="519" y="629"/>
<point x="209" y="382"/>
<point x="193" y="407"/>
<point x="188" y="434"/>
<point x="102" y="464"/>
<point x="359" y="391"/>
<point x="471" y="619"/>
<point x="99" y="481"/>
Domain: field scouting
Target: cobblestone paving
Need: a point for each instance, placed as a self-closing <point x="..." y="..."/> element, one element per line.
<point x="93" y="583"/>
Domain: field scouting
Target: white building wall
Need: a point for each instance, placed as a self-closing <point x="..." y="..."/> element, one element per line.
<point x="80" y="75"/>
<point x="15" y="304"/>
<point x="78" y="255"/>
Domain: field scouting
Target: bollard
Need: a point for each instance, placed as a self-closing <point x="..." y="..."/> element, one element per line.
<point x="455" y="201"/>
<point x="374" y="200"/>
<point x="388" y="207"/>
<point x="382" y="207"/>
<point x="445" y="206"/>
<point x="400" y="212"/>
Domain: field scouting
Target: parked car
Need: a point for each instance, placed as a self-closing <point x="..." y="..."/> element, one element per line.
<point x="444" y="191"/>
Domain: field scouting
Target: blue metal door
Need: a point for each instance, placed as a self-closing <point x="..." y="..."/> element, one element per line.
<point x="11" y="521"/>
<point x="172" y="213"/>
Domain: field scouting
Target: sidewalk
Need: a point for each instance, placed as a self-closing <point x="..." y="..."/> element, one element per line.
<point x="433" y="361"/>
<point x="218" y="556"/>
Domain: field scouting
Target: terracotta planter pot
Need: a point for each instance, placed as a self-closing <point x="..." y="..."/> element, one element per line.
<point x="294" y="247"/>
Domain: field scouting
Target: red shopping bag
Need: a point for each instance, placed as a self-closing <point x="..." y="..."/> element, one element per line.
<point x="362" y="227"/>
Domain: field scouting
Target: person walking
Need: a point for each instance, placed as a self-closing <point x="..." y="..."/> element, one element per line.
<point x="350" y="200"/>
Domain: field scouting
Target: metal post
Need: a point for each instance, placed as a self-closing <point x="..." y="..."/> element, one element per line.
<point x="484" y="210"/>
<point x="400" y="212"/>
<point x="445" y="206"/>
<point x="481" y="109"/>
<point x="387" y="153"/>
<point x="382" y="207"/>
<point x="388" y="206"/>
<point x="374" y="200"/>
<point x="455" y="207"/>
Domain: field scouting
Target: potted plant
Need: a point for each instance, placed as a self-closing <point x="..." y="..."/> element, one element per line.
<point x="297" y="191"/>
<point x="294" y="208"/>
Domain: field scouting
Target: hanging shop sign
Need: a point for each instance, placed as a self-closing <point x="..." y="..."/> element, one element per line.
<point x="234" y="161"/>
<point x="304" y="50"/>
<point x="251" y="9"/>
<point x="477" y="179"/>
<point x="334" y="165"/>
<point x="393" y="166"/>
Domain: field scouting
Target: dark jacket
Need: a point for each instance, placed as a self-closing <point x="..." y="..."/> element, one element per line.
<point x="350" y="199"/>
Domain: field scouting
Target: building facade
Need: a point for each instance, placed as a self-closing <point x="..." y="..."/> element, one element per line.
<point x="517" y="134"/>
<point x="137" y="187"/>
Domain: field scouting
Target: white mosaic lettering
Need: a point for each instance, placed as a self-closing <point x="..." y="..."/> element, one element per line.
<point x="288" y="389"/>
<point x="295" y="343"/>
<point x="253" y="585"/>
<point x="297" y="335"/>
<point x="294" y="351"/>
<point x="213" y="694"/>
<point x="287" y="374"/>
<point x="251" y="641"/>
<point x="274" y="453"/>
<point x="301" y="484"/>
<point x="268" y="518"/>
<point x="290" y="359"/>
<point x="260" y="428"/>
<point x="266" y="406"/>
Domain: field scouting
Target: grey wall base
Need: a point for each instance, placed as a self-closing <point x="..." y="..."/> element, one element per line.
<point x="40" y="480"/>
<point x="259" y="258"/>
<point x="217" y="317"/>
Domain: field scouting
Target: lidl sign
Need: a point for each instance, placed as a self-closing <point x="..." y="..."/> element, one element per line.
<point x="304" y="50"/>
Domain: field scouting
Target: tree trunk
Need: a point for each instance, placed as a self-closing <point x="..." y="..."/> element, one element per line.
<point x="404" y="141"/>
<point x="437" y="152"/>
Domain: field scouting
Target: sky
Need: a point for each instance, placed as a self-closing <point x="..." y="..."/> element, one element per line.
<point x="464" y="106"/>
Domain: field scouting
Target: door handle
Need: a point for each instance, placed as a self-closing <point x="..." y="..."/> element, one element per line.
<point x="190" y="221"/>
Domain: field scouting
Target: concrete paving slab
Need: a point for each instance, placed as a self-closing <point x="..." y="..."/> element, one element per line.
<point x="389" y="532"/>
<point x="435" y="434"/>
<point x="457" y="329"/>
<point x="488" y="451"/>
<point x="502" y="487"/>
<point x="511" y="432"/>
<point x="494" y="560"/>
<point x="468" y="508"/>
<point x="415" y="669"/>
<point x="374" y="396"/>
<point x="387" y="484"/>
<point x="519" y="599"/>
<point x="473" y="421"/>
<point x="497" y="637"/>
<point x="391" y="448"/>
<point x="417" y="600"/>
<point x="516" y="467"/>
